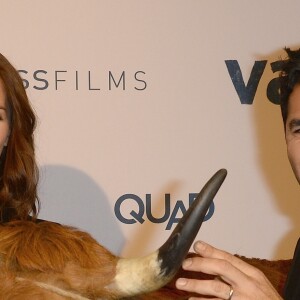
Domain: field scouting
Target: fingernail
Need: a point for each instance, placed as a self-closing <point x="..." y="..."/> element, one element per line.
<point x="186" y="263"/>
<point x="181" y="282"/>
<point x="199" y="246"/>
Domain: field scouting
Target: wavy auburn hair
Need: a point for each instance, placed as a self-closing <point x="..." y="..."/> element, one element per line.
<point x="18" y="169"/>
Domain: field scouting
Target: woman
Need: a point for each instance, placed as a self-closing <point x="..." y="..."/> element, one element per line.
<point x="68" y="263"/>
<point x="18" y="170"/>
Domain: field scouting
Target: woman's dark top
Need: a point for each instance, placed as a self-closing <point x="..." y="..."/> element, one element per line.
<point x="292" y="285"/>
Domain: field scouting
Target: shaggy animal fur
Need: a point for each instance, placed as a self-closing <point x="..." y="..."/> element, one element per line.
<point x="38" y="260"/>
<point x="43" y="261"/>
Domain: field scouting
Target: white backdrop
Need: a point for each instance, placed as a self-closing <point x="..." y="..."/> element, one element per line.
<point x="134" y="97"/>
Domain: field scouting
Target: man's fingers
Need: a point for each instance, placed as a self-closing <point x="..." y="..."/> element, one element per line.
<point x="232" y="276"/>
<point x="214" y="288"/>
<point x="215" y="266"/>
<point x="208" y="251"/>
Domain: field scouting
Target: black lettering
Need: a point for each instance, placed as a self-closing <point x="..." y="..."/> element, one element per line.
<point x="111" y="78"/>
<point x="25" y="82"/>
<point x="35" y="76"/>
<point x="90" y="88"/>
<point x="137" y="79"/>
<point x="76" y="80"/>
<point x="58" y="80"/>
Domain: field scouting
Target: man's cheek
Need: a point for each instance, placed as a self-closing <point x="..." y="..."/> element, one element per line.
<point x="293" y="149"/>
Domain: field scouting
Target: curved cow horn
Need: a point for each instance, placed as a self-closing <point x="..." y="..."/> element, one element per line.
<point x="141" y="275"/>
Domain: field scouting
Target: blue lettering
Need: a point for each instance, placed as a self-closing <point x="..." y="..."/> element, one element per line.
<point x="247" y="92"/>
<point x="165" y="217"/>
<point x="137" y="216"/>
<point x="273" y="86"/>
<point x="173" y="219"/>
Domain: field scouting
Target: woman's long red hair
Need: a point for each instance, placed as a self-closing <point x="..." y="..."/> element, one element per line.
<point x="18" y="171"/>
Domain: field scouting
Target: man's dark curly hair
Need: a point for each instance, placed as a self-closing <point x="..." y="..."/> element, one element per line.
<point x="289" y="77"/>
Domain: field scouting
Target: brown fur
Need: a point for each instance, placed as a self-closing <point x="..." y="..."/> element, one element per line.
<point x="55" y="254"/>
<point x="72" y="260"/>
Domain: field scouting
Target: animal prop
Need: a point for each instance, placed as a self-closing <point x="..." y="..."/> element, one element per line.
<point x="49" y="261"/>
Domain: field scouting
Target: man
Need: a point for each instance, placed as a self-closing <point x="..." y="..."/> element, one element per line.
<point x="236" y="279"/>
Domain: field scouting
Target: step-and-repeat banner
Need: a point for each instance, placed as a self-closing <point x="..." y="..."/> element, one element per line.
<point x="139" y="103"/>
